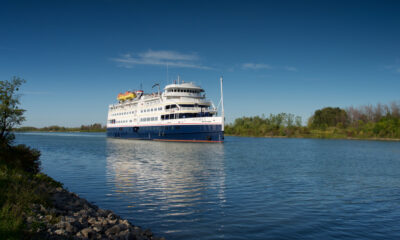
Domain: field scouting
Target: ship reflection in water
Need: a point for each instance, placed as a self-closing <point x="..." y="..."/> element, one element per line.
<point x="163" y="184"/>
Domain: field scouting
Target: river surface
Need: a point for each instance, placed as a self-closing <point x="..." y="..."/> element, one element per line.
<point x="246" y="188"/>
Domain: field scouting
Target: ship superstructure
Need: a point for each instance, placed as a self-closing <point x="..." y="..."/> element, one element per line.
<point x="180" y="113"/>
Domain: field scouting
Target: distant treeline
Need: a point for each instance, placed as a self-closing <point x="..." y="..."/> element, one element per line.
<point x="96" y="127"/>
<point x="369" y="121"/>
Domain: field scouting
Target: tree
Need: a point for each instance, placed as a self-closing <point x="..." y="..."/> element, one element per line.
<point x="329" y="117"/>
<point x="10" y="114"/>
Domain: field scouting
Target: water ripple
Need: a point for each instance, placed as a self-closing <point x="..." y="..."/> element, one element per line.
<point x="247" y="188"/>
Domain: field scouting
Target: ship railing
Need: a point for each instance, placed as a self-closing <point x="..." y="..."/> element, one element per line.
<point x="191" y="109"/>
<point x="183" y="94"/>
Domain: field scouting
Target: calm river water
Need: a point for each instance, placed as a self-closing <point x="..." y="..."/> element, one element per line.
<point x="246" y="188"/>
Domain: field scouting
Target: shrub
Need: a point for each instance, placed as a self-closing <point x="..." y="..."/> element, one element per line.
<point x="21" y="157"/>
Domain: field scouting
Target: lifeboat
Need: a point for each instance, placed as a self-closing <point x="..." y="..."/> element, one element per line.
<point x="128" y="95"/>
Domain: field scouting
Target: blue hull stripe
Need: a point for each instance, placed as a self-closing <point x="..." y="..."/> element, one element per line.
<point x="193" y="133"/>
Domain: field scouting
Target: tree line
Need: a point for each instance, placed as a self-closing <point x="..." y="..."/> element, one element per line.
<point x="96" y="127"/>
<point x="367" y="121"/>
<point x="282" y="124"/>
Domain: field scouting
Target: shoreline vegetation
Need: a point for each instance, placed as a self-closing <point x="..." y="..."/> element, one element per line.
<point x="96" y="127"/>
<point x="379" y="122"/>
<point x="35" y="206"/>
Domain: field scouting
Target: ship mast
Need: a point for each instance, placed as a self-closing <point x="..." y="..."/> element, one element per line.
<point x="222" y="106"/>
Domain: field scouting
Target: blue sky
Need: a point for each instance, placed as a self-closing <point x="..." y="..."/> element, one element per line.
<point x="275" y="56"/>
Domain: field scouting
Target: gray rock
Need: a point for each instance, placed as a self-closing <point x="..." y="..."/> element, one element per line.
<point x="111" y="216"/>
<point x="60" y="232"/>
<point x="82" y="219"/>
<point x="70" y="219"/>
<point x="90" y="210"/>
<point x="112" y="222"/>
<point x="48" y="217"/>
<point x="61" y="224"/>
<point x="124" y="234"/>
<point x="97" y="227"/>
<point x="103" y="213"/>
<point x="103" y="222"/>
<point x="43" y="209"/>
<point x="122" y="227"/>
<point x="91" y="220"/>
<point x="30" y="219"/>
<point x="114" y="230"/>
<point x="125" y="222"/>
<point x="70" y="228"/>
<point x="88" y="233"/>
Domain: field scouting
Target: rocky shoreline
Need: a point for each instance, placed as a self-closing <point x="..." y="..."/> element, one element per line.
<point x="68" y="216"/>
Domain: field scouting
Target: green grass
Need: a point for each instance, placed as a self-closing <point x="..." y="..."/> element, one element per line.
<point x="19" y="191"/>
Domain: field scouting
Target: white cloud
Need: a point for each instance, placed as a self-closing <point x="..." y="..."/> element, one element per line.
<point x="256" y="66"/>
<point x="163" y="57"/>
<point x="168" y="55"/>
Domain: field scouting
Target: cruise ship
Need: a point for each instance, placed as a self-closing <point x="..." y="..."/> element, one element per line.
<point x="180" y="113"/>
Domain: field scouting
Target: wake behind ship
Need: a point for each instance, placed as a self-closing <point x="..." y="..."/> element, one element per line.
<point x="180" y="113"/>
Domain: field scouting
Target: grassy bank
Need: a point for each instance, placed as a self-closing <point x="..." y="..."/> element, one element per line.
<point x="22" y="187"/>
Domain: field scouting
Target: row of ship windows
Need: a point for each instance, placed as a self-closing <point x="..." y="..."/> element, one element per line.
<point x="120" y="121"/>
<point x="133" y="112"/>
<point x="149" y="119"/>
<point x="123" y="113"/>
<point x="151" y="110"/>
<point x="182" y="90"/>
